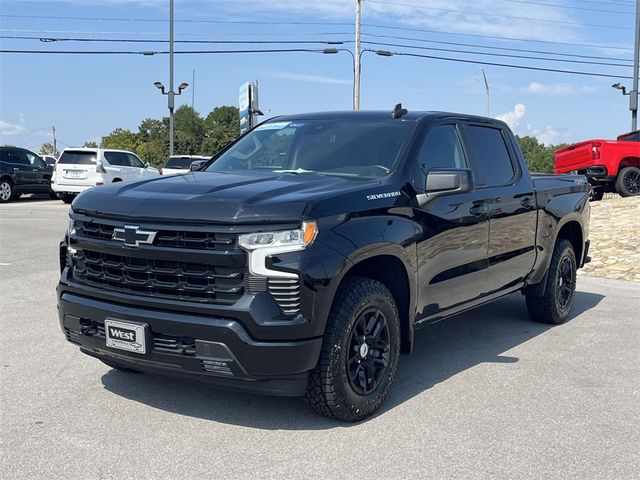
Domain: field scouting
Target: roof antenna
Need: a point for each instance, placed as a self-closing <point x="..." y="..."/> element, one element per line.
<point x="398" y="111"/>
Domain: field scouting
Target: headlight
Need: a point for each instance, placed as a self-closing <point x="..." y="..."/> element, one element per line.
<point x="263" y="244"/>
<point x="295" y="239"/>
<point x="71" y="228"/>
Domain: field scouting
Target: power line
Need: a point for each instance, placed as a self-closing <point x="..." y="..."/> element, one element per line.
<point x="521" y="67"/>
<point x="215" y="34"/>
<point x="572" y="7"/>
<point x="489" y="47"/>
<point x="498" y="15"/>
<point x="504" y="55"/>
<point x="324" y="42"/>
<point x="492" y="37"/>
<point x="138" y="40"/>
<point x="164" y="20"/>
<point x="307" y="50"/>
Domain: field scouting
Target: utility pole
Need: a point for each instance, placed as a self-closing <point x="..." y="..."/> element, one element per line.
<point x="633" y="100"/>
<point x="193" y="87"/>
<point x="171" y="99"/>
<point x="55" y="144"/>
<point x="486" y="86"/>
<point x="357" y="57"/>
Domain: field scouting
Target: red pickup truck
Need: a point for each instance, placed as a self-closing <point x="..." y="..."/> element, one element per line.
<point x="609" y="165"/>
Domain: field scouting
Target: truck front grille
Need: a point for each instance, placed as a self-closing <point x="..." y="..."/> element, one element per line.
<point x="169" y="279"/>
<point x="168" y="238"/>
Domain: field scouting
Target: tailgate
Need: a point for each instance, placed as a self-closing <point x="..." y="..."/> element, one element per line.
<point x="574" y="157"/>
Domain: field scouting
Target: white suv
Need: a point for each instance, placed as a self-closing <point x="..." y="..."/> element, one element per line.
<point x="78" y="169"/>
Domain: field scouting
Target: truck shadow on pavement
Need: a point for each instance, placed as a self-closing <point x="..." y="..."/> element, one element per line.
<point x="440" y="351"/>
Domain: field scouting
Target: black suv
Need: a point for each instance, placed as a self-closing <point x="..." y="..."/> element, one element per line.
<point x="22" y="171"/>
<point x="301" y="259"/>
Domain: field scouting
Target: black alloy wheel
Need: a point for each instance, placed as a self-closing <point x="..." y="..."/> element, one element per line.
<point x="369" y="351"/>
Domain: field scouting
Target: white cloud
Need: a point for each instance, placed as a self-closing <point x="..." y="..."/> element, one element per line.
<point x="549" y="135"/>
<point x="301" y="77"/>
<point x="558" y="89"/>
<point x="11" y="129"/>
<point x="513" y="117"/>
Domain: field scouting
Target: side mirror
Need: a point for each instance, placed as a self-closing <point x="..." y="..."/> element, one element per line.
<point x="446" y="182"/>
<point x="197" y="165"/>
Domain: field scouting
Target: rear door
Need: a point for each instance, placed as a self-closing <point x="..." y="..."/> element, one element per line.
<point x="119" y="167"/>
<point x="509" y="199"/>
<point x="76" y="168"/>
<point x="453" y="238"/>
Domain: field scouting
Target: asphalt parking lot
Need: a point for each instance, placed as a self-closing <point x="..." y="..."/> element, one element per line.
<point x="487" y="394"/>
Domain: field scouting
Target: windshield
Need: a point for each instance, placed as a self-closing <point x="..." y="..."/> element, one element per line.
<point x="630" y="137"/>
<point x="331" y="147"/>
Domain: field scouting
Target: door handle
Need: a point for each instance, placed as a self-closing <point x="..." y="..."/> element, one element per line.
<point x="15" y="169"/>
<point x="478" y="209"/>
<point x="527" y="202"/>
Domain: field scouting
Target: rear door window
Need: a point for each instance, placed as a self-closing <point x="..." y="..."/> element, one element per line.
<point x="179" y="162"/>
<point x="117" y="159"/>
<point x="78" y="158"/>
<point x="14" y="156"/>
<point x="490" y="155"/>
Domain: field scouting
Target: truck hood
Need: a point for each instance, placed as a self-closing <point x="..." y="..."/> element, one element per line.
<point x="246" y="197"/>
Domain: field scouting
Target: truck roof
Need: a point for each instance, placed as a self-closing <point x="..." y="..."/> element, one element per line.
<point x="386" y="115"/>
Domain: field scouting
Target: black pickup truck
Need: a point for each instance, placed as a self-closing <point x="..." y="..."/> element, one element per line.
<point x="301" y="259"/>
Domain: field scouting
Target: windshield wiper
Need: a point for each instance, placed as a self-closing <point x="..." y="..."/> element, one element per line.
<point x="298" y="170"/>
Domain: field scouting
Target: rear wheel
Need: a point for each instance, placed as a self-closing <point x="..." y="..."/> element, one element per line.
<point x="53" y="195"/>
<point x="554" y="306"/>
<point x="359" y="354"/>
<point x="6" y="191"/>
<point x="628" y="182"/>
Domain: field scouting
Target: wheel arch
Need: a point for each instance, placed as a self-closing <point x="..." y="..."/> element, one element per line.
<point x="629" y="162"/>
<point x="392" y="270"/>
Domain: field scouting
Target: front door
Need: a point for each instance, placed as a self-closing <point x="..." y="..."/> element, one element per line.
<point x="453" y="235"/>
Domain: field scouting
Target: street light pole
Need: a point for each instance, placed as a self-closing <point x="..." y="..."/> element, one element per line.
<point x="171" y="99"/>
<point x="633" y="101"/>
<point x="357" y="69"/>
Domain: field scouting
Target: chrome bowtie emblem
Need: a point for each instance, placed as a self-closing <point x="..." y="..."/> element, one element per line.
<point x="132" y="236"/>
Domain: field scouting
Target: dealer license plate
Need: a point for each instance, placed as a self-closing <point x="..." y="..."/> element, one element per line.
<point x="125" y="335"/>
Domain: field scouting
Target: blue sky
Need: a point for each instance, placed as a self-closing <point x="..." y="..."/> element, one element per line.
<point x="87" y="96"/>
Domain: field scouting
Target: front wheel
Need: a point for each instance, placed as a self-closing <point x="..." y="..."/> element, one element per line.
<point x="560" y="291"/>
<point x="359" y="354"/>
<point x="628" y="182"/>
<point x="6" y="191"/>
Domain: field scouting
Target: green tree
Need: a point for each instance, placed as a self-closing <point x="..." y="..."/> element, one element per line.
<point x="189" y="131"/>
<point x="222" y="126"/>
<point x="121" y="139"/>
<point x="47" y="149"/>
<point x="153" y="141"/>
<point x="540" y="158"/>
<point x="90" y="144"/>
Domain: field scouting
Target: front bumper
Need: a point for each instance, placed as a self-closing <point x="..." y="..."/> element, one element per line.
<point x="214" y="350"/>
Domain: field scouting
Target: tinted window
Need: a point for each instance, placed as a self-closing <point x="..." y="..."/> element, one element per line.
<point x="15" y="156"/>
<point x="181" y="162"/>
<point x="440" y="149"/>
<point x="632" y="137"/>
<point x="335" y="147"/>
<point x="34" y="159"/>
<point x="117" y="159"/>
<point x="78" y="158"/>
<point x="491" y="157"/>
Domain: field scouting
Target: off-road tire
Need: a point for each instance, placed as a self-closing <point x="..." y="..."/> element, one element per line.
<point x="628" y="182"/>
<point x="6" y="191"/>
<point x="597" y="195"/>
<point x="552" y="307"/>
<point x="330" y="390"/>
